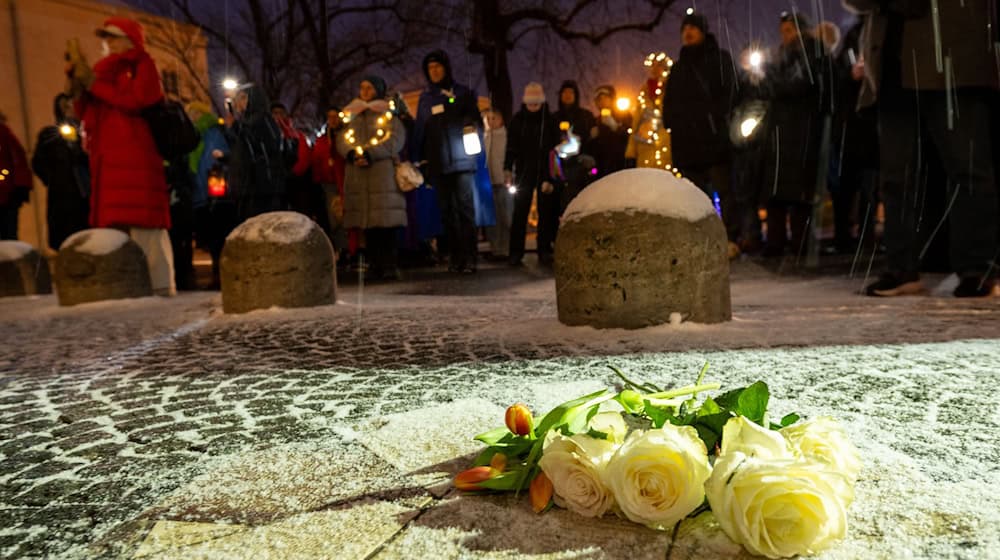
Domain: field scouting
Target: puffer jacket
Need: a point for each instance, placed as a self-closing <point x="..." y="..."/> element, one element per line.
<point x="371" y="197"/>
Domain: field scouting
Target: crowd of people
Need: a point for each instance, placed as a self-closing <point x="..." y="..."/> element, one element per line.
<point x="882" y="115"/>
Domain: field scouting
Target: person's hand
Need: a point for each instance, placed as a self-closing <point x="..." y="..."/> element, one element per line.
<point x="858" y="70"/>
<point x="547" y="188"/>
<point x="361" y="161"/>
<point x="217" y="154"/>
<point x="229" y="120"/>
<point x="508" y="178"/>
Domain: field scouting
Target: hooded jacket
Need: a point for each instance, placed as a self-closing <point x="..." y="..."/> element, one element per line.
<point x="697" y="104"/>
<point x="444" y="110"/>
<point x="257" y="168"/>
<point x="128" y="184"/>
<point x="212" y="138"/>
<point x="579" y="118"/>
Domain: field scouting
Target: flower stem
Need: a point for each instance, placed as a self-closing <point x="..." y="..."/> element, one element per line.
<point x="682" y="391"/>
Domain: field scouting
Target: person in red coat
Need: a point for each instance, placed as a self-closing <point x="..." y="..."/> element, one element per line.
<point x="129" y="187"/>
<point x="328" y="172"/>
<point x="15" y="180"/>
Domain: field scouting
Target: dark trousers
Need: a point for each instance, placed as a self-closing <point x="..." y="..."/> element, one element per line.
<point x="182" y="242"/>
<point x="965" y="151"/>
<point x="548" y="207"/>
<point x="718" y="179"/>
<point x="382" y="249"/>
<point x="213" y="223"/>
<point x="458" y="212"/>
<point x="8" y="220"/>
<point x="854" y="182"/>
<point x="798" y="214"/>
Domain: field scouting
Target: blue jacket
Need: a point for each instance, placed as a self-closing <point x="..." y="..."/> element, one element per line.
<point x="214" y="139"/>
<point x="445" y="109"/>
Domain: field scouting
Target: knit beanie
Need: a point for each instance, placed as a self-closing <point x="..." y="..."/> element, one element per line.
<point x="379" y="85"/>
<point x="696" y="20"/>
<point x="533" y="93"/>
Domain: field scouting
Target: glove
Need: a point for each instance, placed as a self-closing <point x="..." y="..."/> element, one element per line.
<point x="547" y="188"/>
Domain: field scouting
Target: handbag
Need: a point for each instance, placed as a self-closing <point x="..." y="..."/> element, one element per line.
<point x="408" y="177"/>
<point x="172" y="129"/>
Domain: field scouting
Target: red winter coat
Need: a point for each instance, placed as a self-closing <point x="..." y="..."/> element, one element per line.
<point x="128" y="183"/>
<point x="14" y="170"/>
<point x="327" y="164"/>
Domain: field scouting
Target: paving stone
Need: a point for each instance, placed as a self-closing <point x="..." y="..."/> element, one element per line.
<point x="49" y="492"/>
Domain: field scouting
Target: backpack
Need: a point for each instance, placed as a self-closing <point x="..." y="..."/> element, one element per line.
<point x="173" y="131"/>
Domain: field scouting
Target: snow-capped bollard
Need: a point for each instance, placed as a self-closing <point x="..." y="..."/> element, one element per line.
<point x="278" y="259"/>
<point x="100" y="264"/>
<point x="637" y="246"/>
<point x="23" y="272"/>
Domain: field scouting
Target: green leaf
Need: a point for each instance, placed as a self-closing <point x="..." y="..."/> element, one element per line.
<point x="708" y="408"/>
<point x="505" y="481"/>
<point x="630" y="400"/>
<point x="598" y="434"/>
<point x="752" y="402"/>
<point x="559" y="414"/>
<point x="494" y="436"/>
<point x="659" y="416"/>
<point x="789" y="419"/>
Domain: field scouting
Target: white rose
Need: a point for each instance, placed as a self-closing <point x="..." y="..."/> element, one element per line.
<point x="823" y="439"/>
<point x="740" y="435"/>
<point x="658" y="477"/>
<point x="610" y="423"/>
<point x="779" y="507"/>
<point x="575" y="465"/>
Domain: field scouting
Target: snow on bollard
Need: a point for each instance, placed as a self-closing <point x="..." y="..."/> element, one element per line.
<point x="278" y="259"/>
<point x="638" y="246"/>
<point x="99" y="264"/>
<point x="23" y="272"/>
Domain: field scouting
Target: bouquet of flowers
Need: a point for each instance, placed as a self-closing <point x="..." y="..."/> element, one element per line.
<point x="778" y="489"/>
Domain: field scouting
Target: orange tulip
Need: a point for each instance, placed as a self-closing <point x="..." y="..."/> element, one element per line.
<point x="519" y="420"/>
<point x="470" y="479"/>
<point x="540" y="492"/>
<point x="499" y="462"/>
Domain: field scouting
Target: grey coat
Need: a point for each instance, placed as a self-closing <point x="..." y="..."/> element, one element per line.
<point x="965" y="46"/>
<point x="371" y="197"/>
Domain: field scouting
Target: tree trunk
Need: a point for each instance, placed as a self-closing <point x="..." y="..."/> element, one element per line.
<point x="489" y="39"/>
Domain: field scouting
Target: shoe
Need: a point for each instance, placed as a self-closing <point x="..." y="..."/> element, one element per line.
<point x="466" y="270"/>
<point x="890" y="285"/>
<point x="973" y="286"/>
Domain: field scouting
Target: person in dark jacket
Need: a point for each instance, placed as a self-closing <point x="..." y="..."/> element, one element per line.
<point x="530" y="137"/>
<point x="445" y="111"/>
<point x="697" y="105"/>
<point x="61" y="164"/>
<point x="934" y="69"/>
<point x="794" y="86"/>
<point x="257" y="170"/>
<point x="180" y="180"/>
<point x="855" y="164"/>
<point x="609" y="137"/>
<point x="573" y="120"/>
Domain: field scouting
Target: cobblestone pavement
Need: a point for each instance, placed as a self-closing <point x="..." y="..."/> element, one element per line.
<point x="107" y="409"/>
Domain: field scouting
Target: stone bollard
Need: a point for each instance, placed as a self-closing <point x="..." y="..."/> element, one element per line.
<point x="23" y="272"/>
<point x="278" y="259"/>
<point x="99" y="264"/>
<point x="638" y="246"/>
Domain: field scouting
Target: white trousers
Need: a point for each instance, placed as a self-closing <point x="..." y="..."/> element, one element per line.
<point x="160" y="256"/>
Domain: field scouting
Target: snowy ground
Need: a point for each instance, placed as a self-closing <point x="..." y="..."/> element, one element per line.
<point x="161" y="428"/>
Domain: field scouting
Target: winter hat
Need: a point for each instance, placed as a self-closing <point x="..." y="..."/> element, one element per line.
<point x="123" y="27"/>
<point x="695" y="20"/>
<point x="606" y="89"/>
<point x="378" y="83"/>
<point x="570" y="84"/>
<point x="533" y="93"/>
<point x="798" y="18"/>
